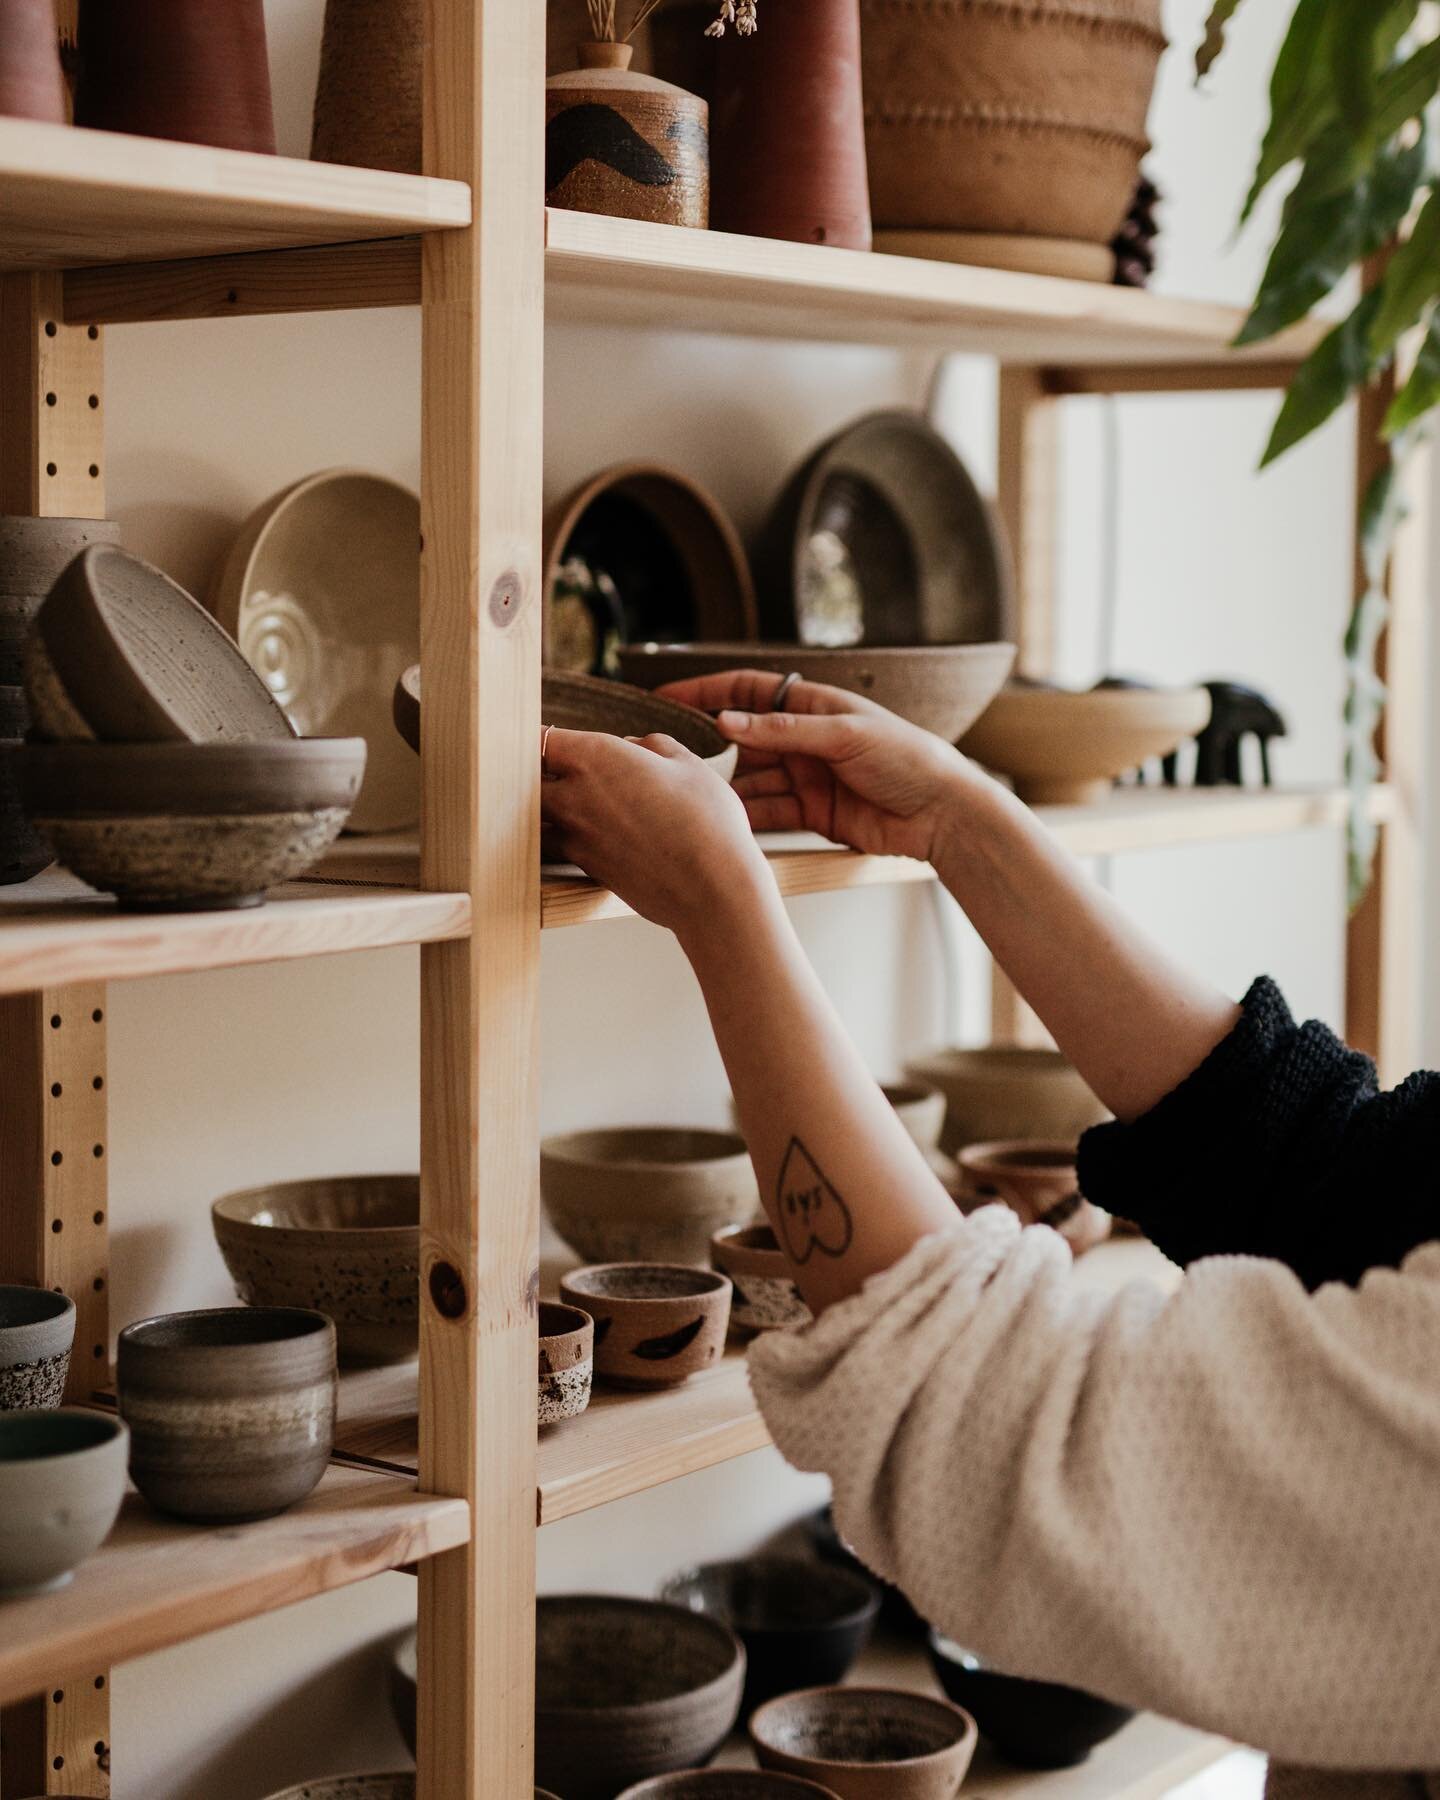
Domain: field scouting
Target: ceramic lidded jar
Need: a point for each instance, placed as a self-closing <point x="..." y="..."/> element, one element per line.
<point x="31" y="85"/>
<point x="626" y="144"/>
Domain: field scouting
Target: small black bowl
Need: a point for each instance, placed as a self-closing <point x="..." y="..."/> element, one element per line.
<point x="802" y="1622"/>
<point x="826" y="1542"/>
<point x="1037" y="1724"/>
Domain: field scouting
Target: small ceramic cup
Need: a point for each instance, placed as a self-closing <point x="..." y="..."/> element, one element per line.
<point x="1038" y="1182"/>
<point x="656" y="1324"/>
<point x="765" y="1297"/>
<point x="866" y="1743"/>
<point x="567" y="1361"/>
<point x="62" y="1478"/>
<point x="37" y="1328"/>
<point x="231" y="1412"/>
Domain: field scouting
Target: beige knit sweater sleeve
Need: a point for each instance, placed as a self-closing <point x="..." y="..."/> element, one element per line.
<point x="1223" y="1505"/>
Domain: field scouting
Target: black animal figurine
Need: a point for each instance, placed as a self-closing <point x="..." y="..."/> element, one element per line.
<point x="1236" y="712"/>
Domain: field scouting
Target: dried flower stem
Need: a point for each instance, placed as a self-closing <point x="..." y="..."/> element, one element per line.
<point x="604" y="20"/>
<point x="739" y="13"/>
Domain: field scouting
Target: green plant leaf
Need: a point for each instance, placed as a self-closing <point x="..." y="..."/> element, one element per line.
<point x="1213" y="41"/>
<point x="1422" y="391"/>
<point x="1340" y="362"/>
<point x="1352" y="61"/>
<point x="1404" y="92"/>
<point x="1302" y="100"/>
<point x="1412" y="279"/>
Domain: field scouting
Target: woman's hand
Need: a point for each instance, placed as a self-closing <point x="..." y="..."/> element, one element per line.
<point x="647" y="819"/>
<point x="835" y="763"/>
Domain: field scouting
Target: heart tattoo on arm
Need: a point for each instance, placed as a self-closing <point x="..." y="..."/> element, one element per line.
<point x="812" y="1215"/>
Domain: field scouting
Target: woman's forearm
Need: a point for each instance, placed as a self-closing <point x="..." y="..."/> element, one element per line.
<point x="1134" y="1022"/>
<point x="843" y="1184"/>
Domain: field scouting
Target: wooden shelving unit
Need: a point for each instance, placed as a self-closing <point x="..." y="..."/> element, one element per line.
<point x="439" y="1465"/>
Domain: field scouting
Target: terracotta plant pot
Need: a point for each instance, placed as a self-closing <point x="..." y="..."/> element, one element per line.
<point x="566" y="1363"/>
<point x="1037" y="1181"/>
<point x="172" y="69"/>
<point x="765" y="1296"/>
<point x="31" y="85"/>
<point x="37" y="1329"/>
<point x="867" y="1743"/>
<point x="1007" y="1092"/>
<point x="988" y="116"/>
<point x="656" y="1324"/>
<point x="368" y="104"/>
<point x="789" y="129"/>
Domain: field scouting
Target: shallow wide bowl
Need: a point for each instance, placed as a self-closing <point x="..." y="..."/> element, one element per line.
<point x="346" y="1245"/>
<point x="867" y="1743"/>
<point x="646" y="1193"/>
<point x="135" y="659"/>
<point x="1067" y="749"/>
<point x="656" y="1324"/>
<point x="1039" y="1724"/>
<point x="726" y="1784"/>
<point x="628" y="1688"/>
<point x="37" y="1329"/>
<point x="882" y="537"/>
<point x="398" y="1786"/>
<point x="1038" y="1182"/>
<point x="765" y="1297"/>
<point x="1007" y="1092"/>
<point x="942" y="687"/>
<point x="62" y="1477"/>
<point x="567" y="1361"/>
<point x="802" y="1622"/>
<point x="231" y="1411"/>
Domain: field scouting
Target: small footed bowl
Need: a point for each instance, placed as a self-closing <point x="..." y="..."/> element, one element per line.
<point x="1038" y="1724"/>
<point x="765" y="1296"/>
<point x="62" y="1478"/>
<point x="37" y="1329"/>
<point x="567" y="1361"/>
<point x="726" y="1784"/>
<point x="656" y="1324"/>
<point x="867" y="1743"/>
<point x="1038" y="1182"/>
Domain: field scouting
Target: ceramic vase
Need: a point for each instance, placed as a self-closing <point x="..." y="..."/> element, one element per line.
<point x="175" y="69"/>
<point x="368" y="104"/>
<point x="31" y="85"/>
<point x="788" y="126"/>
<point x="625" y="144"/>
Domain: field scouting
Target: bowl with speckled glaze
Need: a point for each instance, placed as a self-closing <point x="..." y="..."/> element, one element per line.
<point x="867" y="1743"/>
<point x="765" y="1297"/>
<point x="37" y="1329"/>
<point x="567" y="1361"/>
<point x="656" y="1324"/>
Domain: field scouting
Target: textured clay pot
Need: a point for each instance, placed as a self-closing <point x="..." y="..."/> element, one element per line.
<point x="37" y="1329"/>
<point x="33" y="554"/>
<point x="31" y="85"/>
<point x="345" y="1245"/>
<point x="1007" y="1092"/>
<point x="656" y="1324"/>
<point x="999" y="117"/>
<point x="231" y="1412"/>
<point x="1037" y="1181"/>
<point x="726" y="1784"/>
<point x="62" y="1478"/>
<point x="788" y="128"/>
<point x="765" y="1296"/>
<point x="567" y="1361"/>
<point x="626" y="144"/>
<point x="1038" y="1724"/>
<point x="173" y="69"/>
<point x="398" y="1786"/>
<point x="646" y="1193"/>
<point x="368" y="103"/>
<point x="867" y="1743"/>
<point x="628" y="1688"/>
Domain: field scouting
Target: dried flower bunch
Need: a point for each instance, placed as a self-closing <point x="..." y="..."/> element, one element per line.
<point x="604" y="19"/>
<point x="739" y="13"/>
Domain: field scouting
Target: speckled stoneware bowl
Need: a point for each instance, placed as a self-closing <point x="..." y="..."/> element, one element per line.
<point x="62" y="1478"/>
<point x="765" y="1297"/>
<point x="231" y="1412"/>
<point x="567" y="1361"/>
<point x="1038" y="1724"/>
<point x="399" y="1786"/>
<point x="37" y="1328"/>
<point x="726" y="1784"/>
<point x="347" y="1245"/>
<point x="646" y="1193"/>
<point x="625" y="1689"/>
<point x="1007" y="1092"/>
<point x="867" y="1743"/>
<point x="656" y="1324"/>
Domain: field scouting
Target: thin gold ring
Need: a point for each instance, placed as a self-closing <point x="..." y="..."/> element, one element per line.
<point x="544" y="746"/>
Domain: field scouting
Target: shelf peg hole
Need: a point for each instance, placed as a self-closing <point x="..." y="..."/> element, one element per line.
<point x="55" y="1021"/>
<point x="93" y="333"/>
<point x="98" y="1284"/>
<point x="98" y="1083"/>
<point x="51" y="328"/>
<point x="97" y="1151"/>
<point x="98" y="1351"/>
<point x="57" y="1157"/>
<point x="58" y="1695"/>
<point x="97" y="1015"/>
<point x="94" y="403"/>
<point x="56" y="1090"/>
<point x="94" y="471"/>
<point x="57" y="1226"/>
<point x="447" y="1290"/>
<point x="99" y="1683"/>
<point x="51" y="469"/>
<point x="52" y="399"/>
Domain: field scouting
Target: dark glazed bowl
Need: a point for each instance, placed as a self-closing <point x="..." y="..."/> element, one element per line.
<point x="1038" y="1724"/>
<point x="726" y="1784"/>
<point x="37" y="1329"/>
<point x="802" y="1622"/>
<point x="867" y="1743"/>
<point x="628" y="1688"/>
<point x="827" y="1543"/>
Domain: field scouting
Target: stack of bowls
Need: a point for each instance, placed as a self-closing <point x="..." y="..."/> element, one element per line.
<point x="37" y="1329"/>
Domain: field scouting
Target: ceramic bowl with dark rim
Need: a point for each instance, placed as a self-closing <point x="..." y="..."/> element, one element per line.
<point x="726" y="1784"/>
<point x="567" y="1361"/>
<point x="765" y="1297"/>
<point x="37" y="1329"/>
<point x="345" y="1245"/>
<point x="231" y="1411"/>
<point x="625" y="1689"/>
<point x="867" y="1743"/>
<point x="62" y="1478"/>
<point x="802" y="1622"/>
<point x="656" y="1324"/>
<point x="1037" y="1724"/>
<point x="819" y="1531"/>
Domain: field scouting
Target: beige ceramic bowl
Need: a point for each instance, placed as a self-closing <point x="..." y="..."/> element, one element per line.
<point x="867" y="1743"/>
<point x="765" y="1296"/>
<point x="1063" y="748"/>
<point x="646" y="1193"/>
<point x="656" y="1324"/>
<point x="1007" y="1092"/>
<point x="62" y="1478"/>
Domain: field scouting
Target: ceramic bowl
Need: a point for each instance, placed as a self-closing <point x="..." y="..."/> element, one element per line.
<point x="567" y="1361"/>
<point x="190" y="826"/>
<point x="625" y="1689"/>
<point x="764" y="1297"/>
<point x="322" y="591"/>
<point x="23" y="852"/>
<point x="726" y="1784"/>
<point x="640" y="551"/>
<point x="1038" y="1182"/>
<point x="646" y="1193"/>
<point x="943" y="688"/>
<point x="1038" y="1724"/>
<point x="37" y="1328"/>
<point x="867" y="1743"/>
<point x="1007" y="1093"/>
<point x="882" y="538"/>
<point x="231" y="1412"/>
<point x="656" y="1324"/>
<point x="345" y="1245"/>
<point x="122" y="653"/>
<point x="1062" y="748"/>
<point x="919" y="1107"/>
<point x="802" y="1622"/>
<point x="397" y="1786"/>
<point x="34" y="552"/>
<point x="823" y="1538"/>
<point x="62" y="1478"/>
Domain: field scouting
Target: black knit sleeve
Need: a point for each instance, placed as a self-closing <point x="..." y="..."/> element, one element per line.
<point x="1280" y="1144"/>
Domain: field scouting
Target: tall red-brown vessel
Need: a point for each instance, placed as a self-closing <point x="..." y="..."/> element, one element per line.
<point x="31" y="86"/>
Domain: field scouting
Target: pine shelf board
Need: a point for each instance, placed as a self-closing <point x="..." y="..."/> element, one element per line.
<point x="157" y="1582"/>
<point x="55" y="931"/>
<point x="71" y="197"/>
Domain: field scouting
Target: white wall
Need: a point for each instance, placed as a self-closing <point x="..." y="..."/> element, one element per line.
<point x="226" y="1079"/>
